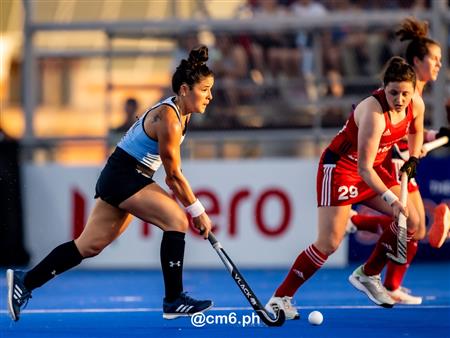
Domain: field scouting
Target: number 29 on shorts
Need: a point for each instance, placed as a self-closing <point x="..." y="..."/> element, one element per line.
<point x="346" y="192"/>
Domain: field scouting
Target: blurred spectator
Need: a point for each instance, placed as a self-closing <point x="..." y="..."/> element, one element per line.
<point x="130" y="108"/>
<point x="305" y="43"/>
<point x="185" y="44"/>
<point x="246" y="40"/>
<point x="229" y="63"/>
<point x="332" y="65"/>
<point x="350" y="41"/>
<point x="277" y="51"/>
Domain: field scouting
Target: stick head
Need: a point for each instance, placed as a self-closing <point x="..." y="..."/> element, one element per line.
<point x="280" y="317"/>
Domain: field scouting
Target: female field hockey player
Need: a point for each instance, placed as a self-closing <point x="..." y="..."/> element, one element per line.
<point x="424" y="54"/>
<point x="350" y="172"/>
<point x="125" y="186"/>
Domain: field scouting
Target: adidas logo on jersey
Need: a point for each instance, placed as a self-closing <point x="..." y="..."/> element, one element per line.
<point x="387" y="133"/>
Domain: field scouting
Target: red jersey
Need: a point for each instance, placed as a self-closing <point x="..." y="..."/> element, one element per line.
<point x="345" y="143"/>
<point x="338" y="181"/>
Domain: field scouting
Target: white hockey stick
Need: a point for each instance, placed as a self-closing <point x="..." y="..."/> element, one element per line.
<point x="429" y="146"/>
<point x="400" y="258"/>
<point x="439" y="142"/>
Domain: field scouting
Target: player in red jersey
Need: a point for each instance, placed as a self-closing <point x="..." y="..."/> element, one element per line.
<point x="424" y="54"/>
<point x="350" y="172"/>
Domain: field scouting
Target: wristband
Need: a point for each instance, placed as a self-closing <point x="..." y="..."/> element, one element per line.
<point x="389" y="197"/>
<point x="195" y="209"/>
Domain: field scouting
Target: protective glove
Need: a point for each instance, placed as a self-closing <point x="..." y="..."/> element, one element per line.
<point x="409" y="167"/>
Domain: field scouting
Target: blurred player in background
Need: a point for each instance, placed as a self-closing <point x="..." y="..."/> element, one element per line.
<point x="350" y="172"/>
<point x="424" y="54"/>
<point x="125" y="186"/>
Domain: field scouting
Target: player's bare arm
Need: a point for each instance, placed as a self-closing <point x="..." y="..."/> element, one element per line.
<point x="371" y="124"/>
<point x="416" y="130"/>
<point x="169" y="133"/>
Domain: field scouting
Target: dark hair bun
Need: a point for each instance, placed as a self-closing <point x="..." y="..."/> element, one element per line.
<point x="198" y="56"/>
<point x="412" y="28"/>
<point x="397" y="60"/>
<point x="192" y="70"/>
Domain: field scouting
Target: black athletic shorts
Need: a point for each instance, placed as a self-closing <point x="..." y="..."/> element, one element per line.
<point x="121" y="178"/>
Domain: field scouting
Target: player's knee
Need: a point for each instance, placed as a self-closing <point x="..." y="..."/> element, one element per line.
<point x="413" y="222"/>
<point x="328" y="247"/>
<point x="420" y="233"/>
<point x="178" y="222"/>
<point x="93" y="248"/>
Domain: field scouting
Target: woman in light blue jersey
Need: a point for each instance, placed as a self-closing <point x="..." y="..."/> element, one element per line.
<point x="125" y="186"/>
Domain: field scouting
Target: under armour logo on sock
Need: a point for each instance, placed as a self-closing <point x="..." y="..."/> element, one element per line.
<point x="177" y="263"/>
<point x="298" y="273"/>
<point x="54" y="272"/>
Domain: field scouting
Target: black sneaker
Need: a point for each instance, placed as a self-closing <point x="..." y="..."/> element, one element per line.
<point x="18" y="295"/>
<point x="184" y="306"/>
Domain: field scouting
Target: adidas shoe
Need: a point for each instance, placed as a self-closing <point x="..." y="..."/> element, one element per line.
<point x="439" y="229"/>
<point x="372" y="287"/>
<point x="184" y="306"/>
<point x="403" y="296"/>
<point x="351" y="228"/>
<point x="276" y="303"/>
<point x="18" y="295"/>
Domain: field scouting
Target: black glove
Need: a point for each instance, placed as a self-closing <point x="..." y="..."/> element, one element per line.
<point x="444" y="131"/>
<point x="409" y="167"/>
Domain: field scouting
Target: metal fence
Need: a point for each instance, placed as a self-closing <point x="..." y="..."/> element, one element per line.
<point x="279" y="124"/>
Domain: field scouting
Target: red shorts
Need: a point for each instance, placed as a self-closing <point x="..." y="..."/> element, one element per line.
<point x="337" y="185"/>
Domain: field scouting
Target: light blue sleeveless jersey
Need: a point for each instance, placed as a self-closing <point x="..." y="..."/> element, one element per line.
<point x="141" y="146"/>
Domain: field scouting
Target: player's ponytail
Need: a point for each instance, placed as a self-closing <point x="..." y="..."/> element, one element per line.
<point x="416" y="32"/>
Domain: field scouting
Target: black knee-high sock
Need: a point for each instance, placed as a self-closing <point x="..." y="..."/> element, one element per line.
<point x="172" y="255"/>
<point x="62" y="258"/>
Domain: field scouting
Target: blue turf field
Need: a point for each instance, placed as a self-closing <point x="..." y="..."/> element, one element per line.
<point x="88" y="304"/>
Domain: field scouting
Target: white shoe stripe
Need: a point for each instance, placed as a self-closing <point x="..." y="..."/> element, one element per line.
<point x="16" y="294"/>
<point x="18" y="289"/>
<point x="183" y="308"/>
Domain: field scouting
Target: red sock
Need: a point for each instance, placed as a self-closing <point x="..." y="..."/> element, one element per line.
<point x="386" y="243"/>
<point x="396" y="272"/>
<point x="371" y="223"/>
<point x="306" y="264"/>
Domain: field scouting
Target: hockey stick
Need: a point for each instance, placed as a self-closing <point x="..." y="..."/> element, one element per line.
<point x="439" y="142"/>
<point x="401" y="236"/>
<point x="245" y="288"/>
<point x="429" y="146"/>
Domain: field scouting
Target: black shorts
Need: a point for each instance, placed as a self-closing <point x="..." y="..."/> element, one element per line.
<point x="121" y="178"/>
